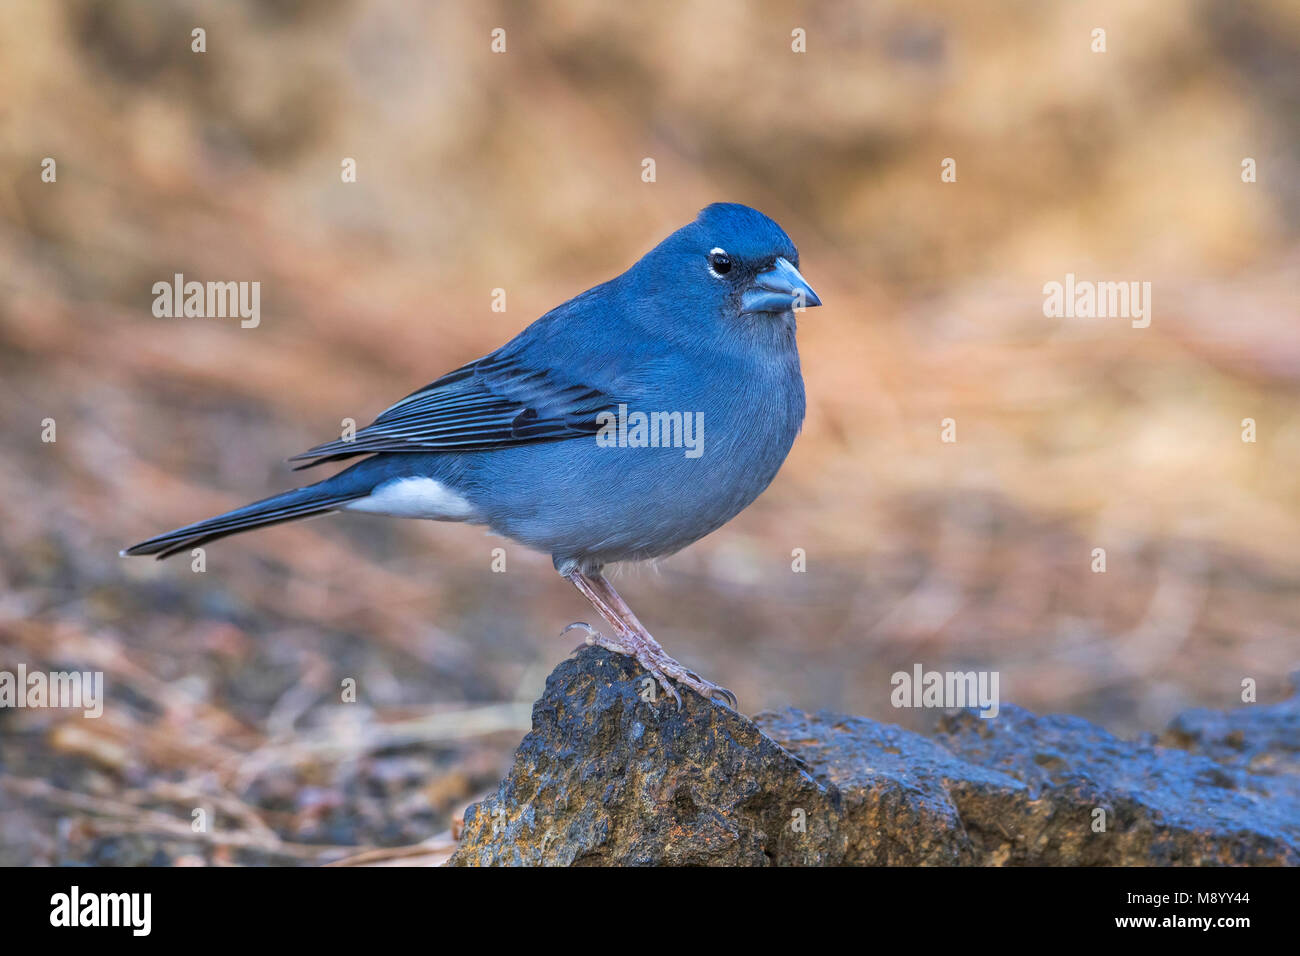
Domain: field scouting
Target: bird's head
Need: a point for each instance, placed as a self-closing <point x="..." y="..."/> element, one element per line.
<point x="732" y="263"/>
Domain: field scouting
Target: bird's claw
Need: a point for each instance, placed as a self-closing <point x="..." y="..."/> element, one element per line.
<point x="712" y="691"/>
<point x="593" y="635"/>
<point x="666" y="671"/>
<point x="668" y="686"/>
<point x="669" y="673"/>
<point x="726" y="697"/>
<point x="595" y="638"/>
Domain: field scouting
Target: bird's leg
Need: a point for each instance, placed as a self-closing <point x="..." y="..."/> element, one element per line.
<point x="704" y="687"/>
<point x="637" y="642"/>
<point x="628" y="640"/>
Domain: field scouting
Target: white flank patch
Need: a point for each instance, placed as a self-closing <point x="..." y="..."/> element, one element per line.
<point x="414" y="498"/>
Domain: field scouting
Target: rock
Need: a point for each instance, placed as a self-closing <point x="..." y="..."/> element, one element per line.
<point x="607" y="778"/>
<point x="1264" y="739"/>
<point x="905" y="800"/>
<point x="1162" y="806"/>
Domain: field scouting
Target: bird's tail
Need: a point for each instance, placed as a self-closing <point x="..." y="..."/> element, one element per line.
<point x="315" y="499"/>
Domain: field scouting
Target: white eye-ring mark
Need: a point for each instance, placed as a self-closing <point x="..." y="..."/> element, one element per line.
<point x="719" y="262"/>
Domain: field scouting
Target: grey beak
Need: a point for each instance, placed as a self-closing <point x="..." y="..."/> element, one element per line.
<point x="778" y="289"/>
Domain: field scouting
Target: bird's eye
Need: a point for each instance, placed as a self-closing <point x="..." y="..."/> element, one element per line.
<point x="719" y="262"/>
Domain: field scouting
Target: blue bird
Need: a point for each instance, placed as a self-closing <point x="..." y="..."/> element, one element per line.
<point x="623" y="425"/>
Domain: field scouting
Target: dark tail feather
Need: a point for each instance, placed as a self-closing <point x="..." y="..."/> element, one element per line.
<point x="324" y="461"/>
<point x="289" y="506"/>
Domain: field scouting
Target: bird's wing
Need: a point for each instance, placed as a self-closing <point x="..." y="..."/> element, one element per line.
<point x="497" y="401"/>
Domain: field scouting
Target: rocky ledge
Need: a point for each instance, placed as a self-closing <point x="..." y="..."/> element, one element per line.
<point x="608" y="778"/>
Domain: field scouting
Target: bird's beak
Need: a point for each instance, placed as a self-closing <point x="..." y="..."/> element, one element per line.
<point x="778" y="289"/>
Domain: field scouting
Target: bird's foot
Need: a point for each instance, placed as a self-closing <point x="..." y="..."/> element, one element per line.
<point x="596" y="638"/>
<point x="666" y="671"/>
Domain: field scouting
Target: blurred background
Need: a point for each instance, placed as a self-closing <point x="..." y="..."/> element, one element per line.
<point x="523" y="171"/>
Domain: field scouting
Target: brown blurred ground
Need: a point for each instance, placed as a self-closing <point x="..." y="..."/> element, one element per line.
<point x="522" y="171"/>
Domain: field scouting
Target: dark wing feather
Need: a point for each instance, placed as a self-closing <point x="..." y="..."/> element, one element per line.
<point x="494" y="402"/>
